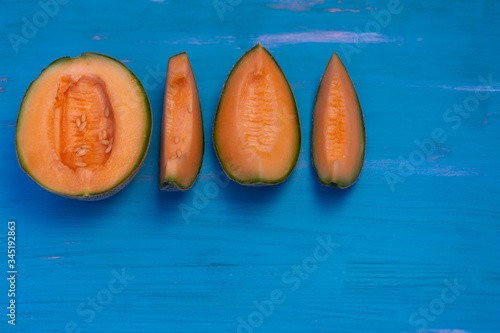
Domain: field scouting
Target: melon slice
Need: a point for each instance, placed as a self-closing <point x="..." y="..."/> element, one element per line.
<point x="338" y="132"/>
<point x="256" y="130"/>
<point x="84" y="127"/>
<point x="182" y="138"/>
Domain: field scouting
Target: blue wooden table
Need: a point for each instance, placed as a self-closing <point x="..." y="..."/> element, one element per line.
<point x="413" y="246"/>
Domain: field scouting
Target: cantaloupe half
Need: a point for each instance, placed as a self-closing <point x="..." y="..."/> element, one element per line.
<point x="256" y="130"/>
<point x="84" y="127"/>
<point x="338" y="132"/>
<point x="182" y="138"/>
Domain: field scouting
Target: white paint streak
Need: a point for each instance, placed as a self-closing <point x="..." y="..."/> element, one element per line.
<point x="338" y="10"/>
<point x="468" y="88"/>
<point x="460" y="88"/>
<point x="433" y="169"/>
<point x="444" y="331"/>
<point x="349" y="37"/>
<point x="295" y="5"/>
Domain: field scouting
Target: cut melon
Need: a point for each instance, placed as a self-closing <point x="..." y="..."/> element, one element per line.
<point x="182" y="138"/>
<point x="256" y="130"/>
<point x="84" y="127"/>
<point x="338" y="132"/>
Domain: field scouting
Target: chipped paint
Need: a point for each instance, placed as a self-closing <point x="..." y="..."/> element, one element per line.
<point x="295" y="5"/>
<point x="51" y="257"/>
<point x="336" y="10"/>
<point x="350" y="37"/>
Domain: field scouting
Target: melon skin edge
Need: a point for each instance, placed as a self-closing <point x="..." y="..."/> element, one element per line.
<point x="126" y="180"/>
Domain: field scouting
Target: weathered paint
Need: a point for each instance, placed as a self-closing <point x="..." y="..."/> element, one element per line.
<point x="397" y="252"/>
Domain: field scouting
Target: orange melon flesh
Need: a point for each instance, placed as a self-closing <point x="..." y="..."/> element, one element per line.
<point x="182" y="141"/>
<point x="338" y="136"/>
<point x="256" y="129"/>
<point x="83" y="127"/>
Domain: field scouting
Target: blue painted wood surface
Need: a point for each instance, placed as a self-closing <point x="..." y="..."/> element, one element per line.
<point x="423" y="254"/>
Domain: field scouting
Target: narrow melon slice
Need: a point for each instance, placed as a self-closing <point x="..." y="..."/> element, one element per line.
<point x="182" y="138"/>
<point x="338" y="132"/>
<point x="84" y="127"/>
<point x="257" y="131"/>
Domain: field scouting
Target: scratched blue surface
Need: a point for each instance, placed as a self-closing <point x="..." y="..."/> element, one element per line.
<point x="416" y="246"/>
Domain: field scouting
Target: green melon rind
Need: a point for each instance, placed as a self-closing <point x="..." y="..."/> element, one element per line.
<point x="225" y="167"/>
<point x="170" y="183"/>
<point x="327" y="181"/>
<point x="122" y="183"/>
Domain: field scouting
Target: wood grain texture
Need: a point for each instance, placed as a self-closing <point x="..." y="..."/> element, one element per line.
<point x="396" y="251"/>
